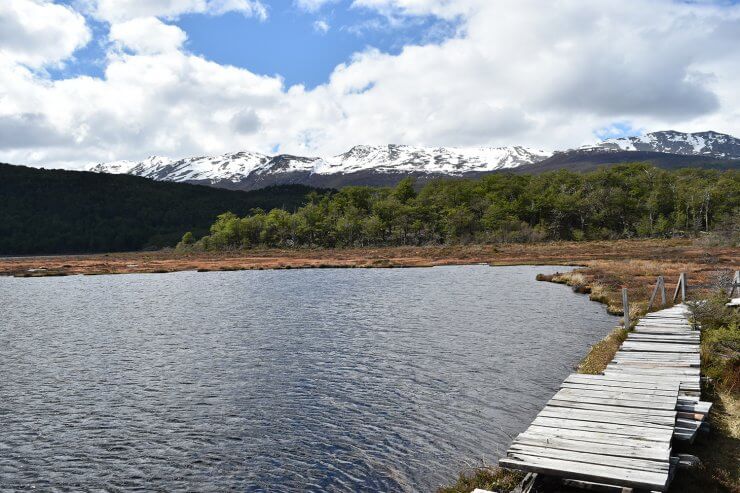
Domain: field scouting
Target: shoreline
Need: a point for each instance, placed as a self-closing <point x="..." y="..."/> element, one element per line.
<point x="578" y="254"/>
<point x="601" y="269"/>
<point x="714" y="473"/>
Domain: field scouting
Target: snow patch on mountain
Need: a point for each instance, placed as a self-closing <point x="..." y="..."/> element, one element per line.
<point x="239" y="166"/>
<point x="255" y="169"/>
<point x="709" y="143"/>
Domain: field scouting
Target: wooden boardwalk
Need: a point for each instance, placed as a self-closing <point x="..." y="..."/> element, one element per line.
<point x="617" y="428"/>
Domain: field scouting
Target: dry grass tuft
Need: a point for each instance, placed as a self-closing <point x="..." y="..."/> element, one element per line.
<point x="486" y="478"/>
<point x="602" y="352"/>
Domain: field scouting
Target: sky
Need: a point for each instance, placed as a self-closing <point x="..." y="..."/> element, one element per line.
<point x="88" y="81"/>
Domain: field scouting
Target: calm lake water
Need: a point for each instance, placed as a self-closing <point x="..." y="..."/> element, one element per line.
<point x="297" y="380"/>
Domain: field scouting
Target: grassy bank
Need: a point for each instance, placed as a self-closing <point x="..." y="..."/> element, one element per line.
<point x="601" y="256"/>
<point x="602" y="280"/>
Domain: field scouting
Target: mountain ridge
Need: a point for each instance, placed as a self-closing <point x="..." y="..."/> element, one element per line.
<point x="386" y="164"/>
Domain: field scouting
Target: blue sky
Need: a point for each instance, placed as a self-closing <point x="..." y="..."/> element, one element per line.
<point x="88" y="81"/>
<point x="303" y="47"/>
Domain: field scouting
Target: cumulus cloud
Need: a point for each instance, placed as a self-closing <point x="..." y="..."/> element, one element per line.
<point x="446" y="9"/>
<point x="321" y="26"/>
<point x="37" y="33"/>
<point x="29" y="130"/>
<point x="246" y="121"/>
<point x="517" y="73"/>
<point x="123" y="10"/>
<point x="312" y="5"/>
<point x="147" y="35"/>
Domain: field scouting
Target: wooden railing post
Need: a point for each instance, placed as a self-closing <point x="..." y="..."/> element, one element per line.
<point x="659" y="286"/>
<point x="735" y="283"/>
<point x="626" y="308"/>
<point x="681" y="286"/>
<point x="662" y="290"/>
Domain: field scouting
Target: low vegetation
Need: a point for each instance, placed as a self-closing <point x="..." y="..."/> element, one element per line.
<point x="486" y="478"/>
<point x="625" y="201"/>
<point x="719" y="452"/>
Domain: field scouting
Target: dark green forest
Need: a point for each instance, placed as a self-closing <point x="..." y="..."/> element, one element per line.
<point x="625" y="201"/>
<point x="55" y="211"/>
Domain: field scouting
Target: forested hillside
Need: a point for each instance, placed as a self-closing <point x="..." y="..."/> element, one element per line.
<point x="54" y="211"/>
<point x="625" y="201"/>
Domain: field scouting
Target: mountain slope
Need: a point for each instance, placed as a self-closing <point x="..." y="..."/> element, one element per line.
<point x="376" y="165"/>
<point x="591" y="159"/>
<point x="386" y="165"/>
<point x="55" y="211"/>
<point x="712" y="144"/>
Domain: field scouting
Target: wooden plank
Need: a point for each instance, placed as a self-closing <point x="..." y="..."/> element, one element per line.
<point x="598" y="437"/>
<point x="606" y="381"/>
<point x="646" y="395"/>
<point x="638" y="379"/>
<point x="694" y="407"/>
<point x="634" y="463"/>
<point x="664" y="338"/>
<point x="627" y="430"/>
<point x="580" y="386"/>
<point x="621" y="403"/>
<point x="659" y="347"/>
<point x="578" y="470"/>
<point x="643" y="452"/>
<point x="693" y="335"/>
<point x="596" y="406"/>
<point x="606" y="417"/>
<point x="663" y="371"/>
<point x="657" y="356"/>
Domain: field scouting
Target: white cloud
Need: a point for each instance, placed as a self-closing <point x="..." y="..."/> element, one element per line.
<point x="446" y="9"/>
<point x="516" y="74"/>
<point x="122" y="10"/>
<point x="37" y="33"/>
<point x="147" y="35"/>
<point x="321" y="26"/>
<point x="312" y="5"/>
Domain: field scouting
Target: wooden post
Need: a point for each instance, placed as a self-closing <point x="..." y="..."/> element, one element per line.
<point x="655" y="292"/>
<point x="681" y="286"/>
<point x="659" y="286"/>
<point x="735" y="283"/>
<point x="626" y="308"/>
<point x="662" y="290"/>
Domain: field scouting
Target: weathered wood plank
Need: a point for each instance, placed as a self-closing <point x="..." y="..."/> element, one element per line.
<point x="599" y="406"/>
<point x="614" y="382"/>
<point x="635" y="463"/>
<point x="594" y="386"/>
<point x="627" y="430"/>
<point x="579" y="470"/>
<point x="643" y="452"/>
<point x="605" y="417"/>
<point x="598" y="437"/>
<point x="647" y="395"/>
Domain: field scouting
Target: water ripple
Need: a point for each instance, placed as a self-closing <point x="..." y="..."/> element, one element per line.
<point x="323" y="380"/>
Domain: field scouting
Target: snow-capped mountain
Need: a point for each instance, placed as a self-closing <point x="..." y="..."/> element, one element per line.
<point x="712" y="144"/>
<point x="250" y="169"/>
<point x="384" y="165"/>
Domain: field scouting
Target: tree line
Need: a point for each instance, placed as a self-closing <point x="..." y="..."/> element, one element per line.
<point x="626" y="201"/>
<point x="57" y="211"/>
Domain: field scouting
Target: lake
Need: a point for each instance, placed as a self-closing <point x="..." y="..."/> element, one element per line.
<point x="290" y="380"/>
